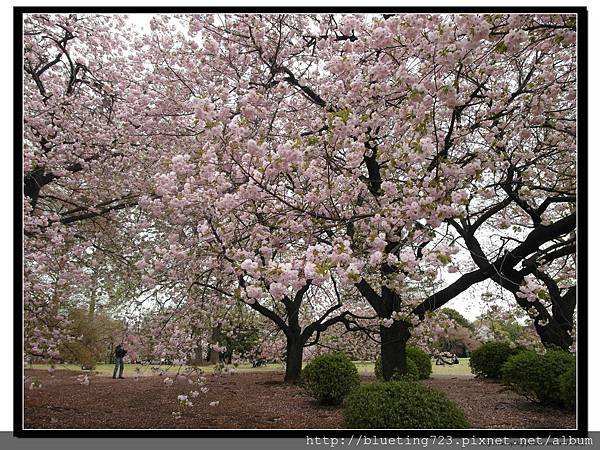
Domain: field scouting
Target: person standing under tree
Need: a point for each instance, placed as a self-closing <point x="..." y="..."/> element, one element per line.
<point x="119" y="354"/>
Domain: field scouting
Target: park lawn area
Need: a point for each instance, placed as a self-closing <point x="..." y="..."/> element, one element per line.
<point x="462" y="368"/>
<point x="130" y="369"/>
<point x="107" y="369"/>
<point x="364" y="368"/>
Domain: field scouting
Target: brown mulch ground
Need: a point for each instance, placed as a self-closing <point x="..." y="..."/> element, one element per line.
<point x="247" y="400"/>
<point x="488" y="404"/>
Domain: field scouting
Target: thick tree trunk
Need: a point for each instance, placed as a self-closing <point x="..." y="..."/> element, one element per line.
<point x="561" y="320"/>
<point x="197" y="358"/>
<point x="393" y="348"/>
<point x="554" y="335"/>
<point x="293" y="366"/>
<point x="213" y="356"/>
<point x="556" y="332"/>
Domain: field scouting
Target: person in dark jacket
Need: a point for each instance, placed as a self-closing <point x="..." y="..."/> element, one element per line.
<point x="119" y="354"/>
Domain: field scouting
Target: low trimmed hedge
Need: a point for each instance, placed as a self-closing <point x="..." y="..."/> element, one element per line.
<point x="538" y="376"/>
<point x="401" y="404"/>
<point x="487" y="360"/>
<point x="422" y="360"/>
<point x="568" y="388"/>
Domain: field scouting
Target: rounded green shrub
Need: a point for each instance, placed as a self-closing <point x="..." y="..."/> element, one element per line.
<point x="422" y="360"/>
<point x="537" y="376"/>
<point x="568" y="387"/>
<point x="412" y="373"/>
<point x="401" y="404"/>
<point x="487" y="360"/>
<point x="329" y="378"/>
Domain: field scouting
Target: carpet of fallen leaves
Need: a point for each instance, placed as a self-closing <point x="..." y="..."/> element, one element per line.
<point x="246" y="401"/>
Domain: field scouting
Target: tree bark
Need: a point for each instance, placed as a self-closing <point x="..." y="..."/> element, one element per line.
<point x="393" y="348"/>
<point x="560" y="317"/>
<point x="561" y="322"/>
<point x="555" y="334"/>
<point x="293" y="366"/>
<point x="197" y="358"/>
<point x="33" y="183"/>
<point x="213" y="356"/>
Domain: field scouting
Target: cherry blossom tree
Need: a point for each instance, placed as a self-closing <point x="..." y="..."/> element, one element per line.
<point x="71" y="117"/>
<point x="386" y="142"/>
<point x="91" y="133"/>
<point x="298" y="162"/>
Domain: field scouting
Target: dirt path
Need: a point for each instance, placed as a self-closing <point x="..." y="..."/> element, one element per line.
<point x="246" y="400"/>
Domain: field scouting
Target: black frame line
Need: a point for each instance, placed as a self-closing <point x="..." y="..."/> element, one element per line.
<point x="582" y="229"/>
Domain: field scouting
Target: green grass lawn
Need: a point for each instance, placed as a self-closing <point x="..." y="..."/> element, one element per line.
<point x="130" y="369"/>
<point x="106" y="369"/>
<point x="462" y="368"/>
<point x="364" y="368"/>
